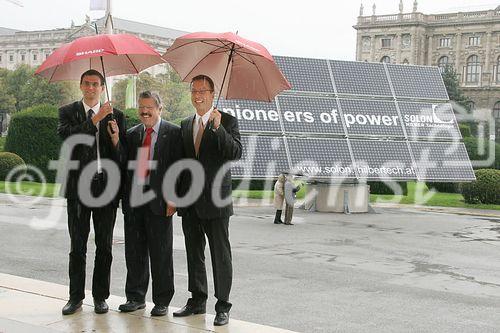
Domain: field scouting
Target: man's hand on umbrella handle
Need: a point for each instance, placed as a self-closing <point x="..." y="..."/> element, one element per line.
<point x="105" y="109"/>
<point x="170" y="208"/>
<point x="113" y="132"/>
<point x="215" y="117"/>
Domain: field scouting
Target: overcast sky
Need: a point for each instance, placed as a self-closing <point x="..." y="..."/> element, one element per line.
<point x="310" y="28"/>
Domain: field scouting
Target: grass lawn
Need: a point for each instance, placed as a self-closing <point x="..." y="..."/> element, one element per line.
<point x="417" y="194"/>
<point x="29" y="188"/>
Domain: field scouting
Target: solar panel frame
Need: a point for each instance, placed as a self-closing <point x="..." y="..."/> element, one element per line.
<point x="253" y="126"/>
<point x="439" y="170"/>
<point x="292" y="73"/>
<point x="254" y="144"/>
<point x="343" y="75"/>
<point x="401" y="75"/>
<point x="284" y="102"/>
<point x="363" y="152"/>
<point x="322" y="153"/>
<point x="370" y="112"/>
<point x="430" y="121"/>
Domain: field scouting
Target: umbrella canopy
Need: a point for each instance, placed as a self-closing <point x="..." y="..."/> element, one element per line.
<point x="108" y="54"/>
<point x="241" y="69"/>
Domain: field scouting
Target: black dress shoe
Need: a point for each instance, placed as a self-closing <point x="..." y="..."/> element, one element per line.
<point x="100" y="306"/>
<point x="159" y="310"/>
<point x="71" y="307"/>
<point x="131" y="306"/>
<point x="189" y="310"/>
<point x="221" y="318"/>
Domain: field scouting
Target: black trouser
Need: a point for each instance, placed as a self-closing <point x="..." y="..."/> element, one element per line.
<point x="217" y="232"/>
<point x="79" y="228"/>
<point x="149" y="237"/>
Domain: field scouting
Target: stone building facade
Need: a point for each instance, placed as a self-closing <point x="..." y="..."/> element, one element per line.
<point x="33" y="47"/>
<point x="468" y="41"/>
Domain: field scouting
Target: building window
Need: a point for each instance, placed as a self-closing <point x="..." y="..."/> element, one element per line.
<point x="472" y="106"/>
<point x="497" y="71"/>
<point x="405" y="62"/>
<point x="386" y="42"/>
<point x="496" y="111"/>
<point x="11" y="58"/>
<point x="442" y="63"/>
<point x="46" y="55"/>
<point x="0" y="58"/>
<point x="386" y="59"/>
<point x="23" y="57"/>
<point x="445" y="42"/>
<point x="34" y="57"/>
<point x="474" y="41"/>
<point x="472" y="70"/>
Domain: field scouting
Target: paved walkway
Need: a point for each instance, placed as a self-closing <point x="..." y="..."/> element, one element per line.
<point x="28" y="305"/>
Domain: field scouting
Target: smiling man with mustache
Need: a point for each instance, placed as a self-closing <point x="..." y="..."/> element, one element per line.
<point x="148" y="224"/>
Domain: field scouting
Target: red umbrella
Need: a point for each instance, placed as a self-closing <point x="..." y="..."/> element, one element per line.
<point x="241" y="68"/>
<point x="109" y="54"/>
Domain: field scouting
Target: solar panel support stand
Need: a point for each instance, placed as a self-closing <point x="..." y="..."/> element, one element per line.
<point x="346" y="202"/>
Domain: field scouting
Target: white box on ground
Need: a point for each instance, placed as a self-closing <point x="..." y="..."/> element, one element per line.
<point x="333" y="197"/>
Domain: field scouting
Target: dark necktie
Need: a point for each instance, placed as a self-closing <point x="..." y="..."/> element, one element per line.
<point x="90" y="113"/>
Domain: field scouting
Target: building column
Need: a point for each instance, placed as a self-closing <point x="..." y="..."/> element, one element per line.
<point x="429" y="51"/>
<point x="414" y="46"/>
<point x="488" y="51"/>
<point x="398" y="49"/>
<point x="458" y="47"/>
<point x="372" y="49"/>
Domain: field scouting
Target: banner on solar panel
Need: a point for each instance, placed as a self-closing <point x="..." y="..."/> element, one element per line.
<point x="341" y="117"/>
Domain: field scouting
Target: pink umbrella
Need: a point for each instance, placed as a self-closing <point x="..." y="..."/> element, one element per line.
<point x="109" y="54"/>
<point x="242" y="69"/>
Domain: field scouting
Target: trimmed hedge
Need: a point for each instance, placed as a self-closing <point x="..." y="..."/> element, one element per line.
<point x="444" y="187"/>
<point x="471" y="144"/>
<point x="465" y="130"/>
<point x="486" y="188"/>
<point x="382" y="188"/>
<point x="9" y="161"/>
<point x="33" y="136"/>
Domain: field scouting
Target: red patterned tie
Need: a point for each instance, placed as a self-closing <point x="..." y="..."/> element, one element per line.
<point x="143" y="170"/>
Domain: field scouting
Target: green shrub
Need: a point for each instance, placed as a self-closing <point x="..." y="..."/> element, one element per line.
<point x="486" y="188"/>
<point x="444" y="187"/>
<point x="9" y="161"/>
<point x="253" y="184"/>
<point x="383" y="188"/>
<point x="33" y="136"/>
<point x="465" y="130"/>
<point x="471" y="144"/>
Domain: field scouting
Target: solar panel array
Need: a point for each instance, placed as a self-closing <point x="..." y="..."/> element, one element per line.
<point x="352" y="120"/>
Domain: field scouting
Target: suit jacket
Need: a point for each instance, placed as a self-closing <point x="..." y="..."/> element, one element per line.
<point x="73" y="120"/>
<point x="167" y="151"/>
<point x="217" y="148"/>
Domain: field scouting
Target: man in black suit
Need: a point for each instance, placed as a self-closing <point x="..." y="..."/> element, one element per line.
<point x="148" y="221"/>
<point x="213" y="139"/>
<point x="90" y="117"/>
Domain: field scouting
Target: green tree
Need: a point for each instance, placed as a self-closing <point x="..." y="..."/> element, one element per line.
<point x="7" y="101"/>
<point x="30" y="90"/>
<point x="452" y="84"/>
<point x="174" y="93"/>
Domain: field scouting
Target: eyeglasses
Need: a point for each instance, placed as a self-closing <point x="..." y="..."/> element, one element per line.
<point x="91" y="84"/>
<point x="194" y="92"/>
